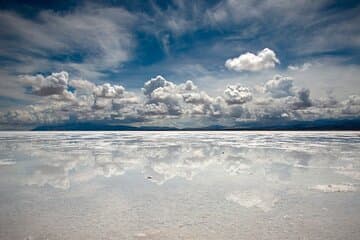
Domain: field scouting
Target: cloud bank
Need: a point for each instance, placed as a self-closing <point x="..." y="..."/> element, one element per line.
<point x="161" y="101"/>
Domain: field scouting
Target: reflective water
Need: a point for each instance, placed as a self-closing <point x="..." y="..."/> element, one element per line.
<point x="179" y="185"/>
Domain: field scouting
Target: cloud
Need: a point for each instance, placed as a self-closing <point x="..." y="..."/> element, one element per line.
<point x="237" y="94"/>
<point x="85" y="101"/>
<point x="279" y="86"/>
<point x="109" y="91"/>
<point x="229" y="11"/>
<point x="303" y="99"/>
<point x="55" y="84"/>
<point x="300" y="68"/>
<point x="351" y="106"/>
<point x="264" y="59"/>
<point x="46" y="113"/>
<point x="86" y="40"/>
<point x="82" y="85"/>
<point x="95" y="42"/>
<point x="162" y="102"/>
<point x="156" y="83"/>
<point x="165" y="97"/>
<point x="263" y="21"/>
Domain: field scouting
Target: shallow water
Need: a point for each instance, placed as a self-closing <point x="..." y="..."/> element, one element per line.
<point x="179" y="185"/>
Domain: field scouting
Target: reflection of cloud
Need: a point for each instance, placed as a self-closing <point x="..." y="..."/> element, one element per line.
<point x="73" y="158"/>
<point x="263" y="200"/>
<point x="334" y="188"/>
<point x="59" y="169"/>
<point x="148" y="234"/>
<point x="47" y="175"/>
<point x="184" y="162"/>
<point x="6" y="162"/>
<point x="107" y="166"/>
<point x="352" y="174"/>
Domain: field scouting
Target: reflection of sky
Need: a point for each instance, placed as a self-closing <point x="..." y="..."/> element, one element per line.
<point x="161" y="185"/>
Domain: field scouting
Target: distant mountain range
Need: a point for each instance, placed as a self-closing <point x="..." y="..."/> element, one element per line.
<point x="323" y="124"/>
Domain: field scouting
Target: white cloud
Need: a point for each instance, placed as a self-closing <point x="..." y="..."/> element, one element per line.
<point x="55" y="84"/>
<point x="109" y="91"/>
<point x="303" y="99"/>
<point x="189" y="86"/>
<point x="351" y="106"/>
<point x="300" y="68"/>
<point x="166" y="94"/>
<point x="279" y="86"/>
<point x="266" y="18"/>
<point x="164" y="102"/>
<point x="166" y="97"/>
<point x="101" y="36"/>
<point x="155" y="83"/>
<point x="82" y="85"/>
<point x="264" y="59"/>
<point x="237" y="94"/>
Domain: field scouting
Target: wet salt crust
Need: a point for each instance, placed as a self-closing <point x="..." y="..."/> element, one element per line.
<point x="179" y="185"/>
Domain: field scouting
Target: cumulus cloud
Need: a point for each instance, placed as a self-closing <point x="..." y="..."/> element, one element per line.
<point x="46" y="113"/>
<point x="54" y="84"/>
<point x="85" y="101"/>
<point x="351" y="106"/>
<point x="237" y="94"/>
<point x="264" y="59"/>
<point x="189" y="86"/>
<point x="156" y="83"/>
<point x="61" y="99"/>
<point x="303" y="98"/>
<point x="109" y="91"/>
<point x="81" y="84"/>
<point x="279" y="86"/>
<point x="165" y="97"/>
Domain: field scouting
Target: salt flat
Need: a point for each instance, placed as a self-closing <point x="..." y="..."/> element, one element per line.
<point x="179" y="185"/>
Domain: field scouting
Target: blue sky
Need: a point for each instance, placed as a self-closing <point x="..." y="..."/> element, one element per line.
<point x="206" y="62"/>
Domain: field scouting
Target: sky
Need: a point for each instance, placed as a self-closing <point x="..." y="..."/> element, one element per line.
<point x="178" y="63"/>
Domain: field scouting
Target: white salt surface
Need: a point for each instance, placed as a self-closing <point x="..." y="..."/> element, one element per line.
<point x="179" y="185"/>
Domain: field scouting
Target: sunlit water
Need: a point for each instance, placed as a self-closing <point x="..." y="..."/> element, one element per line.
<point x="179" y="185"/>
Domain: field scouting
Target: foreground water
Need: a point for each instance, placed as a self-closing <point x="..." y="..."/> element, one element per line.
<point x="179" y="185"/>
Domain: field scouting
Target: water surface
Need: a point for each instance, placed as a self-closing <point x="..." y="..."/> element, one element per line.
<point x="179" y="185"/>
